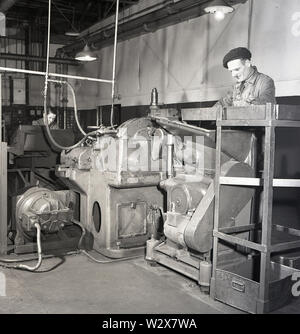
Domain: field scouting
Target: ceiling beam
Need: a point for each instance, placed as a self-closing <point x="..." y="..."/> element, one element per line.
<point x="143" y="18"/>
<point x="53" y="60"/>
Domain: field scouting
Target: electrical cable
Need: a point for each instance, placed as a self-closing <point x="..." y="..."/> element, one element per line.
<point x="72" y="90"/>
<point x="108" y="261"/>
<point x="39" y="246"/>
<point x="83" y="231"/>
<point x="46" y="91"/>
<point x="74" y="103"/>
<point x="39" y="251"/>
<point x="82" y="251"/>
<point x="5" y="261"/>
<point x="36" y="225"/>
<point x="33" y="257"/>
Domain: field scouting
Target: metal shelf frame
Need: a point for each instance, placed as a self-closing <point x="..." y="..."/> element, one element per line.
<point x="3" y="186"/>
<point x="270" y="121"/>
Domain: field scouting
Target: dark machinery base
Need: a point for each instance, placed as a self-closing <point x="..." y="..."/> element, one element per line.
<point x="62" y="241"/>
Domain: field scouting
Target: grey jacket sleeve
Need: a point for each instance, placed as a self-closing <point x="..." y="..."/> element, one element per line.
<point x="266" y="92"/>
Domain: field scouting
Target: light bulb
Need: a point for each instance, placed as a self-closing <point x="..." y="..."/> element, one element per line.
<point x="219" y="15"/>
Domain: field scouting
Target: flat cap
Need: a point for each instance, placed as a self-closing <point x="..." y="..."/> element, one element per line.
<point x="237" y="53"/>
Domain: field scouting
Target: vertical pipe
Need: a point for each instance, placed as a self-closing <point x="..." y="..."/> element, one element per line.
<point x="170" y="154"/>
<point x="57" y="96"/>
<point x="65" y="98"/>
<point x="217" y="200"/>
<point x="27" y="64"/>
<point x="47" y="60"/>
<point x="98" y="116"/>
<point x="250" y="23"/>
<point x="3" y="185"/>
<point x="114" y="66"/>
<point x="1" y="107"/>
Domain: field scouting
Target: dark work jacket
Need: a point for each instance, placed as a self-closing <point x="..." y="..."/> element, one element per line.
<point x="258" y="88"/>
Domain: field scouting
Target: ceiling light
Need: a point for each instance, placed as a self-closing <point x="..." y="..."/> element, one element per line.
<point x="219" y="8"/>
<point x="86" y="54"/>
<point x="72" y="33"/>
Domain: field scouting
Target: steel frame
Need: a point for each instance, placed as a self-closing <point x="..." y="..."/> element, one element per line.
<point x="3" y="185"/>
<point x="267" y="182"/>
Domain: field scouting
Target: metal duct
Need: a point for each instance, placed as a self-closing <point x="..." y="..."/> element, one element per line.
<point x="144" y="17"/>
<point x="6" y="4"/>
<point x="56" y="60"/>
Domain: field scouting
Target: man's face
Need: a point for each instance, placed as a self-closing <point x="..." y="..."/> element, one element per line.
<point x="239" y="69"/>
<point x="51" y="118"/>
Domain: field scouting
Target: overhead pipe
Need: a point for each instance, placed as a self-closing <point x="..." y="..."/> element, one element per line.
<point x="12" y="56"/>
<point x="147" y="15"/>
<point x="152" y="26"/>
<point x="153" y="17"/>
<point x="179" y="15"/>
<point x="76" y="77"/>
<point x="91" y="36"/>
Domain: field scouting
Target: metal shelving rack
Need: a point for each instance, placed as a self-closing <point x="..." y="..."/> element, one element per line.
<point x="3" y="186"/>
<point x="260" y="293"/>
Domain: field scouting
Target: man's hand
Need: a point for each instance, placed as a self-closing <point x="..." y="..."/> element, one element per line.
<point x="242" y="103"/>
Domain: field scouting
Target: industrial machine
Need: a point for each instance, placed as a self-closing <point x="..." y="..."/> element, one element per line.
<point x="186" y="243"/>
<point x="35" y="194"/>
<point x="105" y="183"/>
<point x="146" y="187"/>
<point x="115" y="186"/>
<point x="41" y="206"/>
<point x="152" y="176"/>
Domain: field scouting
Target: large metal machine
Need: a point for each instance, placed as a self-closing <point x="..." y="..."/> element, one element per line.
<point x="35" y="195"/>
<point x="147" y="188"/>
<point x="152" y="176"/>
<point x="188" y="221"/>
<point x="115" y="187"/>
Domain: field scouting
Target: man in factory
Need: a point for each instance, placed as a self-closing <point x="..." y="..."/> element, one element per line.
<point x="51" y="115"/>
<point x="251" y="86"/>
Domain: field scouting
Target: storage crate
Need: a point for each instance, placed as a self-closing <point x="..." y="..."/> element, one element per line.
<point x="238" y="286"/>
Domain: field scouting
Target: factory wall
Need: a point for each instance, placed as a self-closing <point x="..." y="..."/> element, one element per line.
<point x="37" y="83"/>
<point x="184" y="61"/>
<point x="13" y="84"/>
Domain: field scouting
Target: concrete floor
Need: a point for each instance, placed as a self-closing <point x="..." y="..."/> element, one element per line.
<point x="75" y="284"/>
<point x="78" y="285"/>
